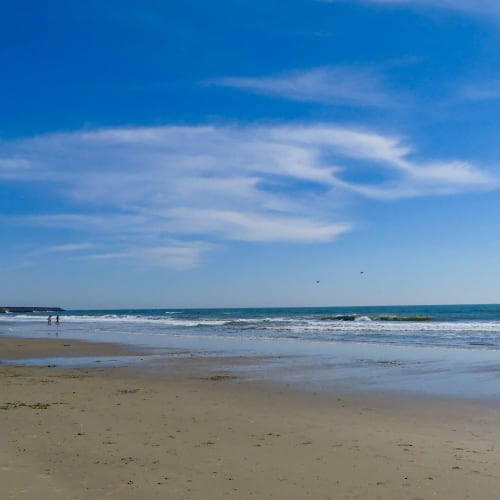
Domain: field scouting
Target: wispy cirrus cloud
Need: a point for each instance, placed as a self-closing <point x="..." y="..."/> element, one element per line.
<point x="178" y="257"/>
<point x="10" y="168"/>
<point x="167" y="195"/>
<point x="485" y="91"/>
<point x="13" y="164"/>
<point x="339" y="85"/>
<point x="486" y="7"/>
<point x="69" y="247"/>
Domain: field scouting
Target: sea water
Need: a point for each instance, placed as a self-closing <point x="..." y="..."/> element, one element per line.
<point x="448" y="350"/>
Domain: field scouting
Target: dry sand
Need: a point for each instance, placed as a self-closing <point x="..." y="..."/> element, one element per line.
<point x="186" y="431"/>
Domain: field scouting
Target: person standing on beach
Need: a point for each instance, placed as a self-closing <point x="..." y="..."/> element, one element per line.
<point x="57" y="319"/>
<point x="49" y="319"/>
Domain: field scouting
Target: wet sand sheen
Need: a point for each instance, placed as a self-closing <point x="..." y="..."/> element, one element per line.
<point x="196" y="430"/>
<point x="20" y="348"/>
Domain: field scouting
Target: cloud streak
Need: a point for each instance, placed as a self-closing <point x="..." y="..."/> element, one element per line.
<point x="167" y="195"/>
<point x="484" y="7"/>
<point x="340" y="85"/>
<point x="69" y="247"/>
<point x="180" y="257"/>
<point x="480" y="91"/>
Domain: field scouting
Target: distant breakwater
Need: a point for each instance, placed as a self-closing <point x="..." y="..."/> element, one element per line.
<point x="29" y="309"/>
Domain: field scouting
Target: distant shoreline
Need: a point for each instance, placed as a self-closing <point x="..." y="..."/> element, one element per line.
<point x="5" y="309"/>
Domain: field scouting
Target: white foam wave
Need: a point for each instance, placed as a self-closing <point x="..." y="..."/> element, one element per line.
<point x="382" y="326"/>
<point x="21" y="317"/>
<point x="361" y="325"/>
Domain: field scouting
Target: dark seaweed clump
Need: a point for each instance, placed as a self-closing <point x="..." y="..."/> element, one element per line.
<point x="404" y="318"/>
<point x="340" y="317"/>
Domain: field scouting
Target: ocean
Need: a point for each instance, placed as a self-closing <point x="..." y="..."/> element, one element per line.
<point x="447" y="350"/>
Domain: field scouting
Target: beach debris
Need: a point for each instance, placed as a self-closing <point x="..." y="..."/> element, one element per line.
<point x="216" y="378"/>
<point x="17" y="404"/>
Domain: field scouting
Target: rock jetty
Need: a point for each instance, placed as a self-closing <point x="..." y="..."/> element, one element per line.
<point x="29" y="309"/>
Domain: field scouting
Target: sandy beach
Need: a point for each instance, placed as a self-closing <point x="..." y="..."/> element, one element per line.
<point x="189" y="428"/>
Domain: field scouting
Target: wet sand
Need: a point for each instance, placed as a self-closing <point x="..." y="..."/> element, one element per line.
<point x="191" y="428"/>
<point x="20" y="348"/>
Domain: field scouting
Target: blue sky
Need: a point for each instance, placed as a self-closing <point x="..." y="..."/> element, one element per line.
<point x="233" y="153"/>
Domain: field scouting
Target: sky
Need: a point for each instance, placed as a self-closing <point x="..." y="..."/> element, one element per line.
<point x="249" y="154"/>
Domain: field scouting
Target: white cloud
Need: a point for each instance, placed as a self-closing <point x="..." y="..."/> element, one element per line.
<point x="106" y="222"/>
<point x="14" y="167"/>
<point x="69" y="247"/>
<point x="156" y="193"/>
<point x="13" y="163"/>
<point x="341" y="85"/>
<point x="232" y="225"/>
<point x="487" y="7"/>
<point x="179" y="257"/>
<point x="481" y="92"/>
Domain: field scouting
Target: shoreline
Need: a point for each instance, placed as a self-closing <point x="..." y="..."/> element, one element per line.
<point x="195" y="429"/>
<point x="421" y="371"/>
